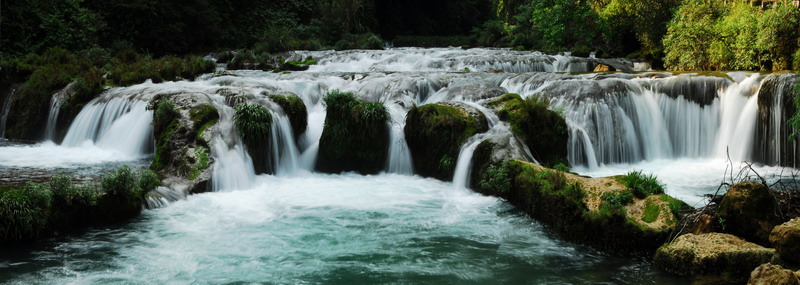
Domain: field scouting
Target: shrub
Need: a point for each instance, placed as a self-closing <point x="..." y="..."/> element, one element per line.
<point x="496" y="179"/>
<point x="253" y="122"/>
<point x="642" y="185"/>
<point x="24" y="212"/>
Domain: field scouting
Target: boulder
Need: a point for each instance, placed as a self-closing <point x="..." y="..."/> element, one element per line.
<point x="435" y="134"/>
<point x="711" y="254"/>
<point x="749" y="211"/>
<point x="295" y="109"/>
<point x="544" y="131"/>
<point x="771" y="274"/>
<point x="786" y="238"/>
<point x="183" y="126"/>
<point x="355" y="136"/>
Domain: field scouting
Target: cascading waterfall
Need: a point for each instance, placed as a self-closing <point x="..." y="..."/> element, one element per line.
<point x="119" y="123"/>
<point x="55" y="109"/>
<point x="6" y="108"/>
<point x="233" y="167"/>
<point x="283" y="146"/>
<point x="399" y="154"/>
<point x="461" y="176"/>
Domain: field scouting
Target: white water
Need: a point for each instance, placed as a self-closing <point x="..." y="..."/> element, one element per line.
<point x="331" y="229"/>
<point x="399" y="160"/>
<point x="121" y="124"/>
<point x="49" y="155"/>
<point x="52" y="118"/>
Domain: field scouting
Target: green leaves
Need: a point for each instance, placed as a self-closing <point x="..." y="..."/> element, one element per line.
<point x="254" y="123"/>
<point x="642" y="185"/>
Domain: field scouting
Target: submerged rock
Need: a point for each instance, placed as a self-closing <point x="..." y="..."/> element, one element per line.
<point x="435" y="134"/>
<point x="786" y="238"/>
<point x="771" y="274"/>
<point x="711" y="254"/>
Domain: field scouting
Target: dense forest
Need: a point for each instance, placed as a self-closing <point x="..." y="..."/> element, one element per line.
<point x="674" y="34"/>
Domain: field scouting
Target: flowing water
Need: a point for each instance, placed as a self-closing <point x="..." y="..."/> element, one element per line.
<point x="299" y="227"/>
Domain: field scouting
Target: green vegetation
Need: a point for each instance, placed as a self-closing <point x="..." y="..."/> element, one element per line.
<point x="203" y="117"/>
<point x="37" y="210"/>
<point x="165" y="124"/>
<point x="254" y="123"/>
<point x="355" y="136"/>
<point x="542" y="130"/>
<point x="435" y="134"/>
<point x="642" y="185"/>
<point x="201" y="162"/>
<point x="651" y="212"/>
<point x="708" y="35"/>
<point x="496" y="179"/>
<point x="295" y="109"/>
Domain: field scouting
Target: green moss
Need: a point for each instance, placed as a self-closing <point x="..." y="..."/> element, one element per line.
<point x="165" y="124"/>
<point x="201" y="162"/>
<point x="355" y="136"/>
<point x="435" y="134"/>
<point x="254" y="123"/>
<point x="651" y="212"/>
<point x="542" y="130"/>
<point x="297" y="65"/>
<point x="295" y="109"/>
<point x="615" y="202"/>
<point x="642" y="185"/>
<point x="496" y="179"/>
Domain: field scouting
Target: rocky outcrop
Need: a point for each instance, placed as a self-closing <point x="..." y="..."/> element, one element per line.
<point x="355" y="136"/>
<point x="598" y="211"/>
<point x="183" y="125"/>
<point x="435" y="134"/>
<point x="711" y="254"/>
<point x="786" y="238"/>
<point x="542" y="130"/>
<point x="771" y="274"/>
<point x="749" y="211"/>
<point x="295" y="109"/>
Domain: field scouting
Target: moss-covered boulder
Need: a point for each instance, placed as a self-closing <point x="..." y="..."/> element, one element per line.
<point x="435" y="134"/>
<point x="771" y="274"/>
<point x="254" y="123"/>
<point x="749" y="211"/>
<point x="786" y="238"/>
<point x="598" y="211"/>
<point x="711" y="254"/>
<point x="183" y="126"/>
<point x="355" y="136"/>
<point x="544" y="131"/>
<point x="295" y="109"/>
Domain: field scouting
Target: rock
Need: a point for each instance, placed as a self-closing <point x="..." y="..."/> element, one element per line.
<point x="542" y="130"/>
<point x="295" y="109"/>
<point x="469" y="91"/>
<point x="749" y="211"/>
<point x="771" y="274"/>
<point x="435" y="134"/>
<point x="711" y="254"/>
<point x="786" y="238"/>
<point x="183" y="125"/>
<point x="601" y="68"/>
<point x="355" y="136"/>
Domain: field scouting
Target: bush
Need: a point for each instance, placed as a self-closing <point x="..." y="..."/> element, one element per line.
<point x="642" y="185"/>
<point x="254" y="123"/>
<point x="496" y="179"/>
<point x="24" y="212"/>
<point x="355" y="136"/>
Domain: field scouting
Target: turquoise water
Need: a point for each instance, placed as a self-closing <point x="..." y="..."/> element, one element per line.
<point x="325" y="229"/>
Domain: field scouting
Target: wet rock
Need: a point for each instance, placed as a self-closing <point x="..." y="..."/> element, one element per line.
<point x="355" y="136"/>
<point x="544" y="131"/>
<point x="469" y="91"/>
<point x="295" y="109"/>
<point x="749" y="211"/>
<point x="786" y="238"/>
<point x="711" y="254"/>
<point x="435" y="134"/>
<point x="771" y="274"/>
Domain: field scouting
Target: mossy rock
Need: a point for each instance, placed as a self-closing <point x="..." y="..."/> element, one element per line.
<point x="542" y="130"/>
<point x="749" y="211"/>
<point x="295" y="109"/>
<point x="772" y="274"/>
<point x="355" y="136"/>
<point x="597" y="211"/>
<point x="435" y="134"/>
<point x="711" y="254"/>
<point x="254" y="123"/>
<point x="786" y="238"/>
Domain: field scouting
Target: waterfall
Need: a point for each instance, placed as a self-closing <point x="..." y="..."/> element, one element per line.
<point x="6" y="108"/>
<point x="284" y="151"/>
<point x="52" y="118"/>
<point x="399" y="154"/>
<point x="233" y="167"/>
<point x="461" y="176"/>
<point x="120" y="123"/>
